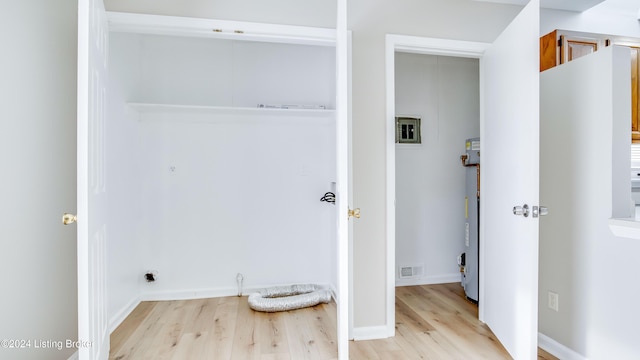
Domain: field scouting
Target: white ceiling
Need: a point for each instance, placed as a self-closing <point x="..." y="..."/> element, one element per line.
<point x="572" y="5"/>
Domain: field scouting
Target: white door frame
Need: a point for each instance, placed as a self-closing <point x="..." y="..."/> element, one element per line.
<point x="428" y="46"/>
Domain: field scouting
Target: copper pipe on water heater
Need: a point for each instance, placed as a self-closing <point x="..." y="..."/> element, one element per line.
<point x="464" y="159"/>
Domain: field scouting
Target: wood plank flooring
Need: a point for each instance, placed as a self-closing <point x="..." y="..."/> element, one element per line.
<point x="224" y="328"/>
<point x="435" y="322"/>
<point x="432" y="322"/>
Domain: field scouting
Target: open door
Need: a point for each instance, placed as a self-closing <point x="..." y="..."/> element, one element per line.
<point x="93" y="334"/>
<point x="342" y="182"/>
<point x="510" y="178"/>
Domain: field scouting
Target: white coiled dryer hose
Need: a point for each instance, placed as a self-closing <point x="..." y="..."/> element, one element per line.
<point x="283" y="298"/>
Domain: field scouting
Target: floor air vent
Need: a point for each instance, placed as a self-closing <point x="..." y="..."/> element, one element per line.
<point x="411" y="271"/>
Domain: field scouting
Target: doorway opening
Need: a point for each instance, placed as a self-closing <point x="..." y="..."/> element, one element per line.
<point x="413" y="50"/>
<point x="436" y="200"/>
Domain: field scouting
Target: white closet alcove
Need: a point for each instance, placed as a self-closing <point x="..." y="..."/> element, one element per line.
<point x="203" y="183"/>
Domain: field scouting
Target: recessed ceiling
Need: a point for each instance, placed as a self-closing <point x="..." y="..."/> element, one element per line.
<point x="571" y="5"/>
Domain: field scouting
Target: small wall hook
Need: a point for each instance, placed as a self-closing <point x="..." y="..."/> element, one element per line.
<point x="329" y="197"/>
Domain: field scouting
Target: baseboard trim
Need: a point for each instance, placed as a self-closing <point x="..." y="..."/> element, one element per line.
<point x="189" y="294"/>
<point x="119" y="317"/>
<point x="556" y="349"/>
<point x="429" y="280"/>
<point x="370" y="333"/>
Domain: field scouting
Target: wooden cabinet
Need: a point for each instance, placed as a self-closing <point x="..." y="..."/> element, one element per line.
<point x="549" y="51"/>
<point x="635" y="92"/>
<point x="559" y="47"/>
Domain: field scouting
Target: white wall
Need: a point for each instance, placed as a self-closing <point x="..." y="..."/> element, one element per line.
<point x="585" y="110"/>
<point x="587" y="270"/>
<point x="206" y="194"/>
<point x="38" y="150"/>
<point x="430" y="180"/>
<point x="243" y="198"/>
<point x="123" y="164"/>
<point x="214" y="72"/>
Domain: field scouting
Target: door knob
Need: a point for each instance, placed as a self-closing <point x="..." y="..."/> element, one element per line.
<point x="521" y="210"/>
<point x="539" y="211"/>
<point x="69" y="218"/>
<point x="354" y="213"/>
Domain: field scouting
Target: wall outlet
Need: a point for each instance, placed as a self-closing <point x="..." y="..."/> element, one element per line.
<point x="553" y="301"/>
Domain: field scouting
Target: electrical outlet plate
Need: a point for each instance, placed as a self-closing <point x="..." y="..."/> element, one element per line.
<point x="553" y="301"/>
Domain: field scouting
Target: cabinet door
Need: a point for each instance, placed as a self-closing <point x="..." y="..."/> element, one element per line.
<point x="549" y="50"/>
<point x="575" y="47"/>
<point x="635" y="91"/>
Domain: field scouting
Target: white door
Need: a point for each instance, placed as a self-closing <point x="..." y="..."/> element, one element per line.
<point x="342" y="182"/>
<point x="510" y="177"/>
<point x="92" y="231"/>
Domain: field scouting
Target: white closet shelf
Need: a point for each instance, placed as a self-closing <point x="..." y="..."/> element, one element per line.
<point x="228" y="110"/>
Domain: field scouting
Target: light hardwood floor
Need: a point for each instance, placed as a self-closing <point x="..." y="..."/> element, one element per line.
<point x="435" y="322"/>
<point x="432" y="322"/>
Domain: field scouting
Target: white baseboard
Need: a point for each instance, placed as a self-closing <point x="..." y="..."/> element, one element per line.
<point x="119" y="317"/>
<point x="556" y="349"/>
<point x="189" y="294"/>
<point x="429" y="280"/>
<point x="370" y="333"/>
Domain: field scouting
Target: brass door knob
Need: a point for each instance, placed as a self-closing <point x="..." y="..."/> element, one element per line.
<point x="69" y="218"/>
<point x="354" y="213"/>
